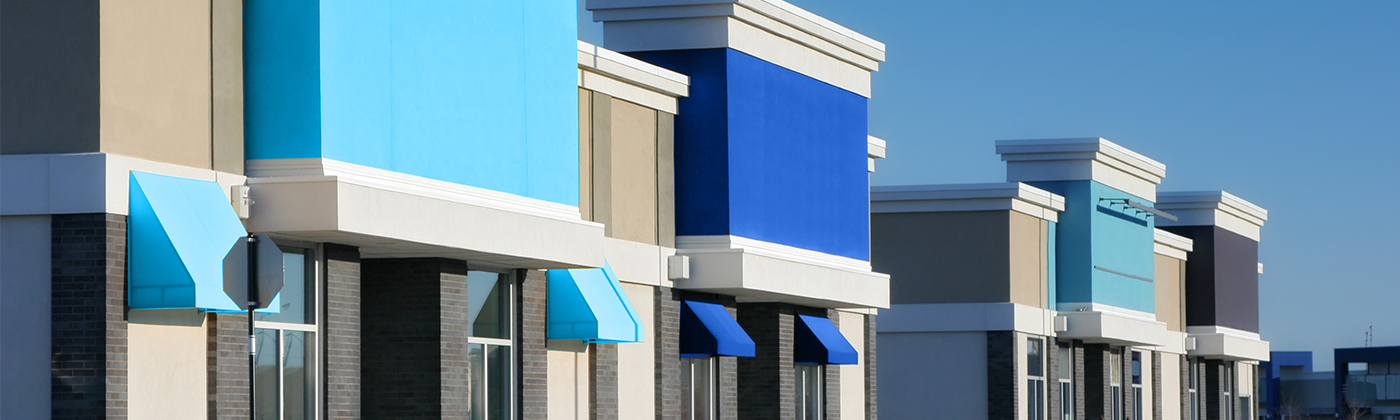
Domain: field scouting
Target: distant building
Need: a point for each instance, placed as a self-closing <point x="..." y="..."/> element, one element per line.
<point x="1074" y="291"/>
<point x="1363" y="385"/>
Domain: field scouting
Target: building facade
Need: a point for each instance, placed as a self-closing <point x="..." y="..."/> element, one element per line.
<point x="477" y="215"/>
<point x="1061" y="293"/>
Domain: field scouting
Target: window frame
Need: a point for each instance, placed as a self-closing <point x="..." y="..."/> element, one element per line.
<point x="819" y="394"/>
<point x="315" y="277"/>
<point x="688" y="388"/>
<point x="1035" y="384"/>
<point x="508" y="279"/>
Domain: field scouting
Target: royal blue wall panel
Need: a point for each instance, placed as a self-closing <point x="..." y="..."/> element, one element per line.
<point x="786" y="163"/>
<point x="476" y="93"/>
<point x="1094" y="233"/>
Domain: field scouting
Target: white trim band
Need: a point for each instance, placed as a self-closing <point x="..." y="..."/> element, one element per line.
<point x="1013" y="196"/>
<point x="1076" y="159"/>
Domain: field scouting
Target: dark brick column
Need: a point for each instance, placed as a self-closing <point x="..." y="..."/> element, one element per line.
<point x="1052" y="377"/>
<point x="602" y="384"/>
<point x="1098" y="398"/>
<point x="228" y="366"/>
<point x="1157" y="390"/>
<point x="342" y="331"/>
<point x="667" y="324"/>
<point x="534" y="362"/>
<point x="729" y="387"/>
<point x="1214" y="391"/>
<point x="414" y="335"/>
<point x="832" y="396"/>
<point x="766" y="381"/>
<point x="1077" y="353"/>
<point x="89" y="330"/>
<point x="871" y="412"/>
<point x="1002" y="386"/>
<point x="1185" y="386"/>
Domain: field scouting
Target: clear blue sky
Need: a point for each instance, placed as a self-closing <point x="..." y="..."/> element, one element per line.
<point x="1292" y="105"/>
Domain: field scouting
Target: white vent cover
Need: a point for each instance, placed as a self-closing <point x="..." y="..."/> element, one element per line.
<point x="1190" y="343"/>
<point x="1061" y="323"/>
<point x="678" y="267"/>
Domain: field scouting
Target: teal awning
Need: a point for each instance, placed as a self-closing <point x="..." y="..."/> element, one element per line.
<point x="588" y="304"/>
<point x="178" y="232"/>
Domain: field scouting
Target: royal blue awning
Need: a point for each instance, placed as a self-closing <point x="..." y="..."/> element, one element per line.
<point x="179" y="231"/>
<point x="818" y="341"/>
<point x="588" y="304"/>
<point x="707" y="329"/>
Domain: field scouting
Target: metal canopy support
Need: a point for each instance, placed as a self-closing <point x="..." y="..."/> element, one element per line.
<point x="1142" y="207"/>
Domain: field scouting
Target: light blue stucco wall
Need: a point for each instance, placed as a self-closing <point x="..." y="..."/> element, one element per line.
<point x="1093" y="233"/>
<point x="476" y="93"/>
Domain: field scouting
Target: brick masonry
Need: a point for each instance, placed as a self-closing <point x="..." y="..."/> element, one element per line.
<point x="766" y="381"/>
<point x="1098" y="400"/>
<point x="1185" y="386"/>
<point x="1002" y="386"/>
<point x="667" y="314"/>
<point x="89" y="328"/>
<point x="602" y="384"/>
<point x="1157" y="390"/>
<point x="530" y="342"/>
<point x="414" y="328"/>
<point x="871" y="412"/>
<point x="227" y="354"/>
<point x="1052" y="377"/>
<point x="342" y="331"/>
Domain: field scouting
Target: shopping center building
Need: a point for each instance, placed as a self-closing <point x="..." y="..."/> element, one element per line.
<point x="478" y="215"/>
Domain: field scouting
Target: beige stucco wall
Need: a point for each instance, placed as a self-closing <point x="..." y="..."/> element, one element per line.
<point x="1028" y="253"/>
<point x="636" y="367"/>
<point x="568" y="384"/>
<point x="633" y="172"/>
<point x="853" y="376"/>
<point x="1169" y="283"/>
<point x="946" y="257"/>
<point x="155" y="81"/>
<point x="166" y="365"/>
<point x="1171" y="386"/>
<point x="585" y="153"/>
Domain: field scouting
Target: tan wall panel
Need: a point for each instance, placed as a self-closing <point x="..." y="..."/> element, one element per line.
<point x="155" y="80"/>
<point x="1027" y="260"/>
<point x="949" y="257"/>
<point x="1171" y="385"/>
<point x="167" y="365"/>
<point x="633" y="172"/>
<point x="666" y="179"/>
<point x="852" y="327"/>
<point x="585" y="154"/>
<point x="226" y="45"/>
<point x="636" y="367"/>
<point x="567" y="387"/>
<point x="600" y="135"/>
<point x="1168" y="283"/>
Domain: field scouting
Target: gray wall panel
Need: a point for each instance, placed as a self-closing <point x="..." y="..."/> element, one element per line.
<point x="24" y="317"/>
<point x="49" y="95"/>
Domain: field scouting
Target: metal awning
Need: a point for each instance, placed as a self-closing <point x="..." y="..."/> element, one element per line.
<point x="818" y="341"/>
<point x="588" y="304"/>
<point x="179" y="232"/>
<point x="707" y="329"/>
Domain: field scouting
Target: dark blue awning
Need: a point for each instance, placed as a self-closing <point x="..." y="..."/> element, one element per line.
<point x="818" y="341"/>
<point x="707" y="329"/>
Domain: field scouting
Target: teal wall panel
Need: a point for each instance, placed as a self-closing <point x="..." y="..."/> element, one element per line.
<point x="1093" y="232"/>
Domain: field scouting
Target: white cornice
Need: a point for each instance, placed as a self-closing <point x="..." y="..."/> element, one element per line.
<point x="771" y="30"/>
<point x="1090" y="158"/>
<point x="1171" y="244"/>
<point x="630" y="79"/>
<point x="875" y="148"/>
<point x="1213" y="208"/>
<point x="262" y="171"/>
<point x="729" y="243"/>
<point x="1014" y="196"/>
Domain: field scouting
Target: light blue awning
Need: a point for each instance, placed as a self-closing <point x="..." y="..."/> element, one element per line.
<point x="179" y="231"/>
<point x="817" y="340"/>
<point x="588" y="304"/>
